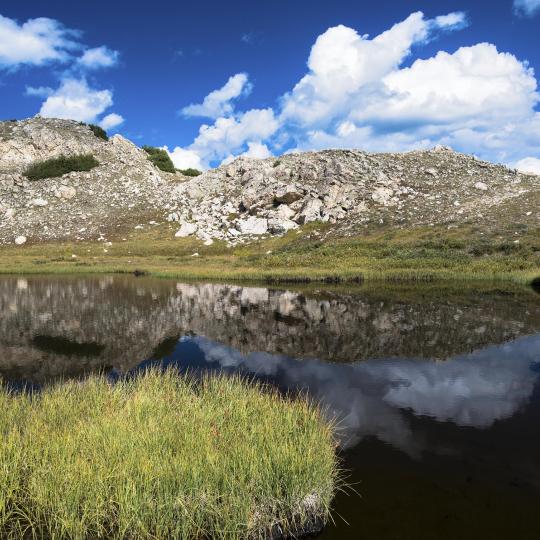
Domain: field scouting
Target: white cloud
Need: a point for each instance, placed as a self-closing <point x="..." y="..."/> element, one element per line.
<point x="357" y="94"/>
<point x="218" y="103"/>
<point x="527" y="8"/>
<point x="186" y="159"/>
<point x="38" y="91"/>
<point x="230" y="136"/>
<point x="529" y="165"/>
<point x="110" y="121"/>
<point x="255" y="150"/>
<point x="452" y="20"/>
<point x="75" y="100"/>
<point x="98" y="57"/>
<point x="36" y="42"/>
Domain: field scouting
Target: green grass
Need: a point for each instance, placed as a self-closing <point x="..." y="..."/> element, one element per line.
<point x="161" y="456"/>
<point x="160" y="158"/>
<point x="54" y="167"/>
<point x="313" y="253"/>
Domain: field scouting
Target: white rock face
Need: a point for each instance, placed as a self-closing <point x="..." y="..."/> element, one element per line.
<point x="39" y="202"/>
<point x="67" y="192"/>
<point x="187" y="229"/>
<point x="481" y="186"/>
<point x="253" y="225"/>
<point x="382" y="195"/>
<point x="20" y="240"/>
<point x="311" y="211"/>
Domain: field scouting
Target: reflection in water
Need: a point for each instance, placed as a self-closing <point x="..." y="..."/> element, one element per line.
<point x="436" y="392"/>
<point x="371" y="398"/>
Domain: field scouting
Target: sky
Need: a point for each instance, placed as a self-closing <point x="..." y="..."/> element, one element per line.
<point x="210" y="81"/>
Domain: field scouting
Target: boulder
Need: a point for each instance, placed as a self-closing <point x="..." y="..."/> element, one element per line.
<point x="288" y="194"/>
<point x="280" y="226"/>
<point x="39" y="202"/>
<point x="187" y="229"/>
<point x="382" y="195"/>
<point x="481" y="186"/>
<point x="253" y="225"/>
<point x="20" y="240"/>
<point x="67" y="192"/>
<point x="311" y="211"/>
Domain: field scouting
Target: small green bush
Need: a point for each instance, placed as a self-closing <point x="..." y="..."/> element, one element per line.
<point x="51" y="168"/>
<point x="99" y="132"/>
<point x="159" y="158"/>
<point x="189" y="172"/>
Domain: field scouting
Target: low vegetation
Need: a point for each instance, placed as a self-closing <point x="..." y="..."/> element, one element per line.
<point x="312" y="253"/>
<point x="99" y="132"/>
<point x="160" y="456"/>
<point x="189" y="172"/>
<point x="51" y="168"/>
<point x="160" y="158"/>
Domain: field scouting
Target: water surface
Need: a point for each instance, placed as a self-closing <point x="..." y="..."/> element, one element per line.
<point x="436" y="388"/>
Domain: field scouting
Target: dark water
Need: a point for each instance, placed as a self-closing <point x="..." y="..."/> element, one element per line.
<point x="436" y="389"/>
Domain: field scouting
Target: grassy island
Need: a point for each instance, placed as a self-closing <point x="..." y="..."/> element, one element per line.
<point x="160" y="456"/>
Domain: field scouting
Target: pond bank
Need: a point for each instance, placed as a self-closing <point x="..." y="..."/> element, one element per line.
<point x="161" y="456"/>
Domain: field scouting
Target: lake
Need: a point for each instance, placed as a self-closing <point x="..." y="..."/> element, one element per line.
<point x="435" y="387"/>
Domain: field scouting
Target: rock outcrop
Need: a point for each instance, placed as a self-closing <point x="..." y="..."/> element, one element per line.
<point x="249" y="198"/>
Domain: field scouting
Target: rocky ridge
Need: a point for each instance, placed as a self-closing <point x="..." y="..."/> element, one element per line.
<point x="248" y="198"/>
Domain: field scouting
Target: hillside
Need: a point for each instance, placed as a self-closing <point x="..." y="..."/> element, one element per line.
<point x="451" y="200"/>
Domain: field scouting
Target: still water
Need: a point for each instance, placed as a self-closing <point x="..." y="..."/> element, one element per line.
<point x="436" y="389"/>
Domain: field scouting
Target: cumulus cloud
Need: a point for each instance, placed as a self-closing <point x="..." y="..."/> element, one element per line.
<point x="38" y="91"/>
<point x="527" y="8"/>
<point x="75" y="100"/>
<point x="98" y="57"/>
<point x="357" y="93"/>
<point x="230" y="135"/>
<point x="219" y="102"/>
<point x="35" y="42"/>
<point x="528" y="165"/>
<point x="255" y="150"/>
<point x="111" y="121"/>
<point x="186" y="159"/>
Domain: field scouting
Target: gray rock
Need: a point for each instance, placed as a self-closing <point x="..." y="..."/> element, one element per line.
<point x="253" y="225"/>
<point x="20" y="240"/>
<point x="186" y="229"/>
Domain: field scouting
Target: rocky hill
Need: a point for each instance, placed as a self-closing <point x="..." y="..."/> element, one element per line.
<point x="352" y="190"/>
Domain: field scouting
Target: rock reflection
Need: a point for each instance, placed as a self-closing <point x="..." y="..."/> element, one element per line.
<point x="53" y="327"/>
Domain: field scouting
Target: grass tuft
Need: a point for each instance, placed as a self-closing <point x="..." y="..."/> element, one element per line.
<point x="54" y="167"/>
<point x="161" y="456"/>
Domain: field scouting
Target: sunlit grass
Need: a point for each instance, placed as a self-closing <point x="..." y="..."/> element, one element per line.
<point x="161" y="456"/>
<point x="415" y="254"/>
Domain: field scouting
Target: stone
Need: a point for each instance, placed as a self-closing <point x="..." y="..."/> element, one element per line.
<point x="382" y="195"/>
<point x="481" y="186"/>
<point x="311" y="211"/>
<point x="187" y="229"/>
<point x="67" y="192"/>
<point x="288" y="194"/>
<point x="39" y="202"/>
<point x="432" y="172"/>
<point x="280" y="226"/>
<point x="20" y="240"/>
<point x="253" y="225"/>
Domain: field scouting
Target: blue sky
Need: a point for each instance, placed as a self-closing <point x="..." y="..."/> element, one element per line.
<point x="215" y="80"/>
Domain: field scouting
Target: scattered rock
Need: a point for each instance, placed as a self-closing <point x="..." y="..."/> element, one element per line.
<point x="187" y="229"/>
<point x="39" y="202"/>
<point x="481" y="186"/>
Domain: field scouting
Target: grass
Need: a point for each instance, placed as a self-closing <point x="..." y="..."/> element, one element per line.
<point x="419" y="254"/>
<point x="54" y="167"/>
<point x="160" y="456"/>
<point x="160" y="158"/>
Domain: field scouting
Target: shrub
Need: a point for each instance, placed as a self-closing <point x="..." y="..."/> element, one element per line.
<point x="189" y="172"/>
<point x="99" y="132"/>
<point x="159" y="158"/>
<point x="51" y="168"/>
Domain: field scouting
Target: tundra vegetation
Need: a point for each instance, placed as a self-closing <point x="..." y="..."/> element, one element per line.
<point x="163" y="456"/>
<point x="55" y="167"/>
<point x="160" y="158"/>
